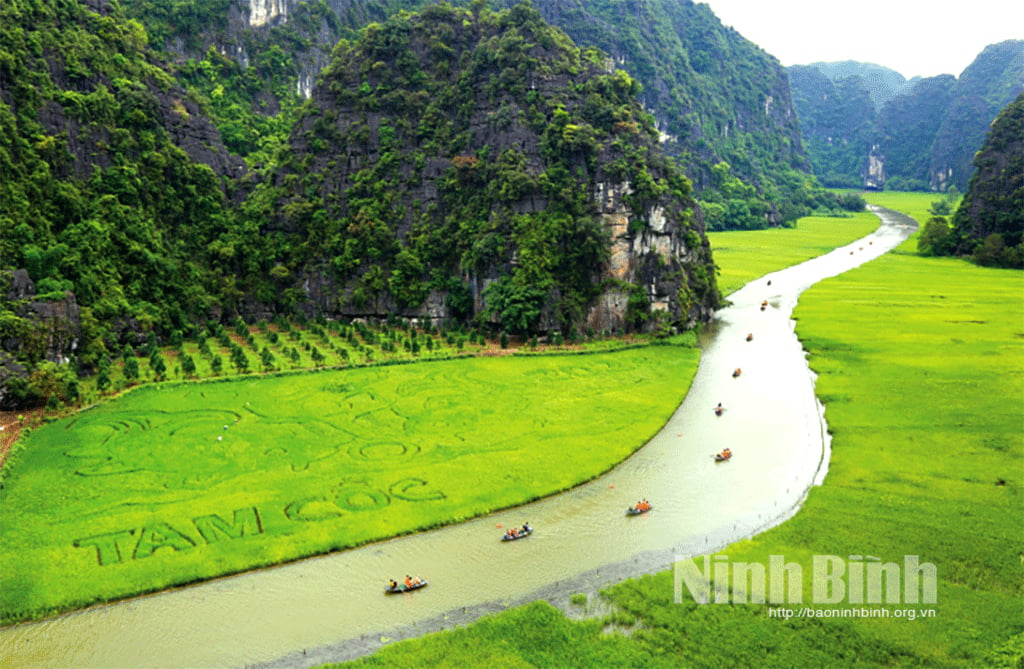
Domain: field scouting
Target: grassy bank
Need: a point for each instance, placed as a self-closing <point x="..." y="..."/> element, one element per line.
<point x="174" y="483"/>
<point x="920" y="363"/>
<point x="744" y="255"/>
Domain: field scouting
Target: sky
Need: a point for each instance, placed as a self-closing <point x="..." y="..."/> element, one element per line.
<point x="914" y="37"/>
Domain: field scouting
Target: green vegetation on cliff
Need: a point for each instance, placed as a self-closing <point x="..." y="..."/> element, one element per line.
<point x="483" y="160"/>
<point x="989" y="224"/>
<point x="111" y="181"/>
<point x="716" y="97"/>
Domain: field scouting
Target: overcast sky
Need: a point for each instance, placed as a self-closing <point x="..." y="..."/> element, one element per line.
<point x="913" y="37"/>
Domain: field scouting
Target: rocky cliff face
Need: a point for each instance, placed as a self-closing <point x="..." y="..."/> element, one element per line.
<point x="82" y="96"/>
<point x="714" y="95"/>
<point x="454" y="165"/>
<point x="52" y="327"/>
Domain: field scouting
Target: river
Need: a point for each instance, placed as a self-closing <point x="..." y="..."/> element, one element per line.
<point x="332" y="607"/>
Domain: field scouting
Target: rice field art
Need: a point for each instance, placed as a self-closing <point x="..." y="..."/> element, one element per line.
<point x="182" y="482"/>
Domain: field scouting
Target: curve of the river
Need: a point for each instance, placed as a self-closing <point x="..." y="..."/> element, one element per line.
<point x="332" y="607"/>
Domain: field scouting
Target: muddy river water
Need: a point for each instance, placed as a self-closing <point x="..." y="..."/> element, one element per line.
<point x="332" y="607"/>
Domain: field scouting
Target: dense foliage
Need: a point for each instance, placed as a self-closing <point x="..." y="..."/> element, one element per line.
<point x="461" y="154"/>
<point x="837" y="121"/>
<point x="715" y="96"/>
<point x="97" y="193"/>
<point x="989" y="224"/>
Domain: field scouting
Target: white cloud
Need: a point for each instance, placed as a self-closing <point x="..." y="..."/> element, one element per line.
<point x="913" y="37"/>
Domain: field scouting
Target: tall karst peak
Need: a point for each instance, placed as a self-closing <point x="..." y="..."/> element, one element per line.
<point x="458" y="163"/>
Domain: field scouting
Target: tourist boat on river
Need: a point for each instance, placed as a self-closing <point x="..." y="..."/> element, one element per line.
<point x="519" y="534"/>
<point x="402" y="587"/>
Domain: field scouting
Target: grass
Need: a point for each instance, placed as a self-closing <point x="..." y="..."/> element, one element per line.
<point x="743" y="256"/>
<point x="920" y="364"/>
<point x="179" y="482"/>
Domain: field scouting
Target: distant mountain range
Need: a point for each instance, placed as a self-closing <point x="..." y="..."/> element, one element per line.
<point x="865" y="125"/>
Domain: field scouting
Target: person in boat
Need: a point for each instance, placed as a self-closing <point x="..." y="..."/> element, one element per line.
<point x="526" y="528"/>
<point x="737" y="372"/>
<point x="408" y="581"/>
<point x="750" y="336"/>
<point x="726" y="453"/>
<point x="392" y="585"/>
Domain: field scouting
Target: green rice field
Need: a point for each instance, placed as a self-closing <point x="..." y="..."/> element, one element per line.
<point x="175" y="483"/>
<point x="921" y="367"/>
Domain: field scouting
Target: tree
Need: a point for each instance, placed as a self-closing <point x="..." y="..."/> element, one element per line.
<point x="188" y="365"/>
<point x="516" y="307"/>
<point x="157" y="364"/>
<point x="937" y="238"/>
<point x="131" y="369"/>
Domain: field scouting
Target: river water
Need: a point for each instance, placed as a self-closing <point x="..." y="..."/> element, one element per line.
<point x="332" y="607"/>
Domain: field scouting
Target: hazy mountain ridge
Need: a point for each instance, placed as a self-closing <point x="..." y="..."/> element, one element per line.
<point x="881" y="82"/>
<point x="926" y="133"/>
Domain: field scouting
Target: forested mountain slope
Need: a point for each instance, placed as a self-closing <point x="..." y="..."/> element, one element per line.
<point x="717" y="98"/>
<point x="882" y="83"/>
<point x="112" y="183"/>
<point x="990" y="220"/>
<point x="921" y="136"/>
<point x="458" y="164"/>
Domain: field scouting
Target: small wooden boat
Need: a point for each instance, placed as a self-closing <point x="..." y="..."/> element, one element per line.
<point x="402" y="587"/>
<point x="737" y="372"/>
<point x="633" y="511"/>
<point x="723" y="456"/>
<point x="520" y="534"/>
